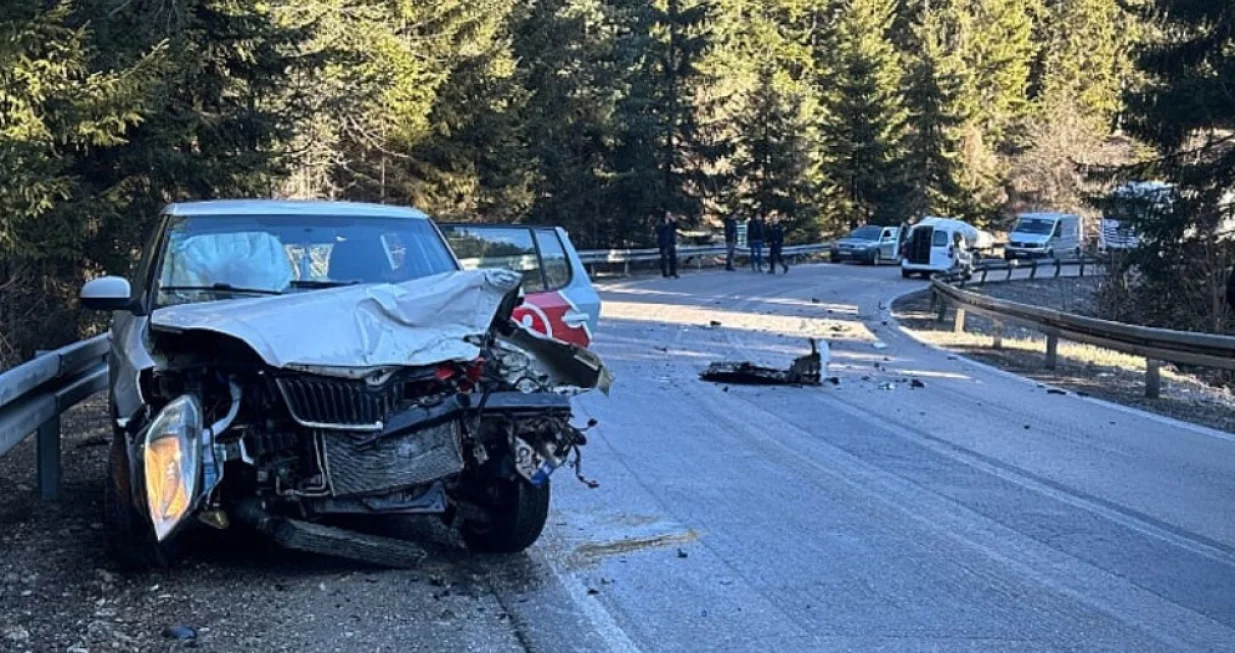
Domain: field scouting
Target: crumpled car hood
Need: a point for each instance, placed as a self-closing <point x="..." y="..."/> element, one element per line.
<point x="419" y="322"/>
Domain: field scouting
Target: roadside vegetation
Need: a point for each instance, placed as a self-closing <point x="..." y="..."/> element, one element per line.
<point x="596" y="115"/>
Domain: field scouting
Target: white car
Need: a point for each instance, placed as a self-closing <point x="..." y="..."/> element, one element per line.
<point x="940" y="245"/>
<point x="283" y="364"/>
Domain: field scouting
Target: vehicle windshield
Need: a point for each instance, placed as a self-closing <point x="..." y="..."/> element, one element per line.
<point x="219" y="257"/>
<point x="1039" y="226"/>
<point x="866" y="233"/>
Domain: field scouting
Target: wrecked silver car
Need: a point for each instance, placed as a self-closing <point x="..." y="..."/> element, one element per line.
<point x="293" y="365"/>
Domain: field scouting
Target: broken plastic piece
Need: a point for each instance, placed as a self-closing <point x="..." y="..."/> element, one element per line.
<point x="805" y="370"/>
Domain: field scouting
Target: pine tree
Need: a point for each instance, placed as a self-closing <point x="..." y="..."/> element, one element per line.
<point x="660" y="160"/>
<point x="1187" y="112"/>
<point x="56" y="107"/>
<point x="995" y="40"/>
<point x="932" y="86"/>
<point x="1083" y="62"/>
<point x="567" y="64"/>
<point x="863" y="127"/>
<point x="772" y="163"/>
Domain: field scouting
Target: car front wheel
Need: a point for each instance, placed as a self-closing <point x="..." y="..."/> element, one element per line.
<point x="130" y="536"/>
<point x="517" y="514"/>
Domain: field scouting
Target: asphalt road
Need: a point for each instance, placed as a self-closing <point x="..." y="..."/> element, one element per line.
<point x="977" y="513"/>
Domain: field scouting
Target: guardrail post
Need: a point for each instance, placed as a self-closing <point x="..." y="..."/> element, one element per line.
<point x="1052" y="351"/>
<point x="1033" y="271"/>
<point x="941" y="309"/>
<point x="1011" y="268"/>
<point x="1153" y="378"/>
<point x="49" y="458"/>
<point x="1081" y="266"/>
<point x="626" y="268"/>
<point x="997" y="335"/>
<point x="983" y="281"/>
<point x="958" y="320"/>
<point x="1058" y="267"/>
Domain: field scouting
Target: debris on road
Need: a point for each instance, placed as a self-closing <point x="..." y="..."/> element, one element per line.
<point x="713" y="324"/>
<point x="805" y="370"/>
<point x="180" y="632"/>
<point x="1055" y="391"/>
<point x="916" y="384"/>
<point x="815" y="300"/>
<point x="879" y="345"/>
<point x="682" y="553"/>
<point x="887" y="386"/>
<point x="834" y="380"/>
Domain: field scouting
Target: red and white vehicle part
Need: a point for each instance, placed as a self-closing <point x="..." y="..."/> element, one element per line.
<point x="559" y="300"/>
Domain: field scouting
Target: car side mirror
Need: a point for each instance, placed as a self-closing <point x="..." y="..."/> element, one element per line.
<point x="107" y="294"/>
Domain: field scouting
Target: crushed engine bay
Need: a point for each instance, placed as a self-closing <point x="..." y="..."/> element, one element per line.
<point x="372" y="401"/>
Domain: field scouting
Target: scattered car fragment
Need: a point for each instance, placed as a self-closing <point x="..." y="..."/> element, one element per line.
<point x="805" y="370"/>
<point x="286" y="364"/>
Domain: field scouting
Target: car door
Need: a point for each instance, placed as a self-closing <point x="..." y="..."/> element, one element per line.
<point x="887" y="244"/>
<point x="559" y="300"/>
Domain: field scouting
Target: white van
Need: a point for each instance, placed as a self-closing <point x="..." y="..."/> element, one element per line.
<point x="940" y="245"/>
<point x="1049" y="235"/>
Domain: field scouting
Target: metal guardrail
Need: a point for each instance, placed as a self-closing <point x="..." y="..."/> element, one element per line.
<point x="34" y="394"/>
<point x="1154" y="344"/>
<point x="592" y="257"/>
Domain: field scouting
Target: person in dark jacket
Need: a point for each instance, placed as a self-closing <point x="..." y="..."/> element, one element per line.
<point x="754" y="238"/>
<point x="1230" y="290"/>
<point x="776" y="243"/>
<point x="667" y="240"/>
<point x="731" y="240"/>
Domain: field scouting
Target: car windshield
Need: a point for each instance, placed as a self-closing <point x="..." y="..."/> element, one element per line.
<point x="866" y="233"/>
<point x="217" y="257"/>
<point x="1040" y="226"/>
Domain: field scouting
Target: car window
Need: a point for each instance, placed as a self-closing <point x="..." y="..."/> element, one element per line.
<point x="277" y="254"/>
<point x="940" y="239"/>
<point x="865" y="233"/>
<point x="510" y="248"/>
<point x="553" y="259"/>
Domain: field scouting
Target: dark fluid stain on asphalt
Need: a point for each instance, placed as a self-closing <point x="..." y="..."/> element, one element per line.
<point x="594" y="550"/>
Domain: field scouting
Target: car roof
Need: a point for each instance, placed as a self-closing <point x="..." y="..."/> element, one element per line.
<point x="1046" y="214"/>
<point x="208" y="208"/>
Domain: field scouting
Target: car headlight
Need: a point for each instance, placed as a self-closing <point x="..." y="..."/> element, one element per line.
<point x="172" y="463"/>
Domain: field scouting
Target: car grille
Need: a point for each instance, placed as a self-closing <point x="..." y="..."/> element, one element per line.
<point x="360" y="464"/>
<point x="340" y="404"/>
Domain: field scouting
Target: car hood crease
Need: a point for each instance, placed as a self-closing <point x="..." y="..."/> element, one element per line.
<point x="414" y="323"/>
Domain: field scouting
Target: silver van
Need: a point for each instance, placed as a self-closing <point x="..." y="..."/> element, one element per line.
<point x="1045" y="235"/>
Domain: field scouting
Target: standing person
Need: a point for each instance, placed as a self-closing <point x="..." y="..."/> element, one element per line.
<point x="667" y="240"/>
<point x="731" y="240"/>
<point x="754" y="238"/>
<point x="776" y="243"/>
<point x="1230" y="290"/>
